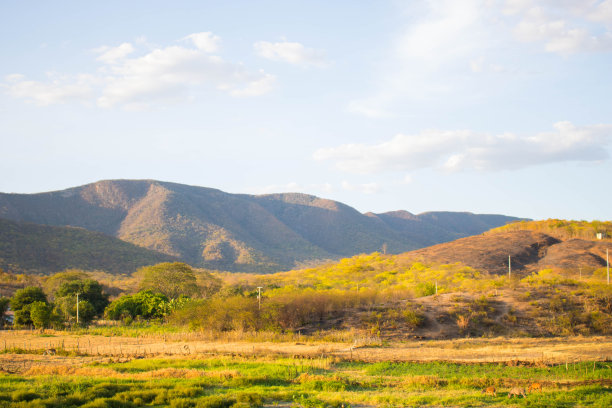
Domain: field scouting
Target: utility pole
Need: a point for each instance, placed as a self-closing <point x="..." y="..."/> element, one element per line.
<point x="77" y="308"/>
<point x="580" y="269"/>
<point x="436" y="287"/>
<point x="259" y="296"/>
<point x="509" y="267"/>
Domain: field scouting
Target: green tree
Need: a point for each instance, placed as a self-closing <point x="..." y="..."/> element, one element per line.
<point x="173" y="279"/>
<point x="40" y="314"/>
<point x="145" y="304"/>
<point x="22" y="301"/>
<point x="4" y="305"/>
<point x="88" y="290"/>
<point x="86" y="312"/>
<point x="55" y="281"/>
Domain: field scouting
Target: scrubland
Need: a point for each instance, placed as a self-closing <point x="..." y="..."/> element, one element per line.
<point x="372" y="330"/>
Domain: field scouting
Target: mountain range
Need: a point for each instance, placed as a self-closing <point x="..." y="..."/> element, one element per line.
<point x="210" y="228"/>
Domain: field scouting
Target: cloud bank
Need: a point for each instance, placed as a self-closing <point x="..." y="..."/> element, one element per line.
<point x="446" y="47"/>
<point x="459" y="150"/>
<point x="161" y="75"/>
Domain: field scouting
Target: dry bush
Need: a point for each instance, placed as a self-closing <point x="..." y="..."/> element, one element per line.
<point x="71" y="370"/>
<point x="463" y="322"/>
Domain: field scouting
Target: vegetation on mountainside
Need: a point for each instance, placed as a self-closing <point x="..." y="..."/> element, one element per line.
<point x="233" y="232"/>
<point x="563" y="229"/>
<point x="381" y="295"/>
<point x="40" y="249"/>
<point x="391" y="296"/>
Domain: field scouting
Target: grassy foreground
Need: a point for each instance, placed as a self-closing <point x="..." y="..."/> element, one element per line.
<point x="321" y="382"/>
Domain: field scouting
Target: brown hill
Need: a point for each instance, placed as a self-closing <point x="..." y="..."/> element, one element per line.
<point x="529" y="251"/>
<point x="237" y="232"/>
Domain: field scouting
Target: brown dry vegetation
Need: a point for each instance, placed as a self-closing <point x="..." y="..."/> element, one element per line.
<point x="530" y="251"/>
<point x="23" y="350"/>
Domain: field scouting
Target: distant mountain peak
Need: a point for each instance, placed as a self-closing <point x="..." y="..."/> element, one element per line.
<point x="210" y="228"/>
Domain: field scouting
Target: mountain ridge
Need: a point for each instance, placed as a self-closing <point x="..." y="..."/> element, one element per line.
<point x="207" y="227"/>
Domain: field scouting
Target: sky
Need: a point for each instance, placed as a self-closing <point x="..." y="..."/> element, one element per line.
<point x="457" y="105"/>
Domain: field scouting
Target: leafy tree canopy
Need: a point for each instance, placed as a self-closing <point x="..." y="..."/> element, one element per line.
<point x="40" y="314"/>
<point x="4" y="305"/>
<point x="26" y="296"/>
<point x="88" y="290"/>
<point x="87" y="312"/>
<point x="173" y="279"/>
<point x="54" y="282"/>
<point x="146" y="304"/>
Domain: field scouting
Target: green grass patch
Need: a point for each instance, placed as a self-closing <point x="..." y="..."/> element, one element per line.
<point x="239" y="383"/>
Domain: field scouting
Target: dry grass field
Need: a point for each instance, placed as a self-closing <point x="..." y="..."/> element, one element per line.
<point x="22" y="349"/>
<point x="180" y="370"/>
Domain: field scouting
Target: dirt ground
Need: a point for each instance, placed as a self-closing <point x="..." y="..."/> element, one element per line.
<point x="88" y="348"/>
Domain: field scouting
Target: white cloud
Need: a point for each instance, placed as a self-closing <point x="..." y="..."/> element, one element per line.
<point x="365" y="188"/>
<point x="291" y="52"/>
<point x="111" y="55"/>
<point x="56" y="90"/>
<point x="207" y="41"/>
<point x="161" y="75"/>
<point x="446" y="46"/>
<point x="256" y="87"/>
<point x="602" y="12"/>
<point x="564" y="26"/>
<point x="458" y="150"/>
<point x="168" y="73"/>
<point x="432" y="56"/>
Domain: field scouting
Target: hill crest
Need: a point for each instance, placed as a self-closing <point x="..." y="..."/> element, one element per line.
<point x="238" y="232"/>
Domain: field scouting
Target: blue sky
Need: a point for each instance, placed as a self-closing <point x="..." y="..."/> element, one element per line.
<point x="464" y="105"/>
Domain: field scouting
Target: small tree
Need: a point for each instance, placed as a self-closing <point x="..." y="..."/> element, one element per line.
<point x="88" y="289"/>
<point x="4" y="305"/>
<point x="52" y="284"/>
<point x="173" y="279"/>
<point x="40" y="314"/>
<point x="21" y="303"/>
<point x="86" y="312"/>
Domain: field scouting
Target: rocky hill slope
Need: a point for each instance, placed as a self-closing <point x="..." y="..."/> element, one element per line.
<point x="213" y="229"/>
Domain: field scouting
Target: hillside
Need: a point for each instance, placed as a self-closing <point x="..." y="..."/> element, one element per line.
<point x="562" y="229"/>
<point x="237" y="232"/>
<point x="32" y="248"/>
<point x="529" y="251"/>
<point x="399" y="297"/>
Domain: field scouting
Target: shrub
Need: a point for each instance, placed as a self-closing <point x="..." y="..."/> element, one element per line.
<point x="215" y="401"/>
<point x="24" y="395"/>
<point x="413" y="318"/>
